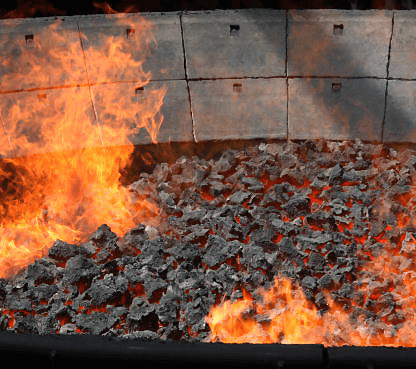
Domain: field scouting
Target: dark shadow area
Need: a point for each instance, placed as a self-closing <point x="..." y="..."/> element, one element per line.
<point x="146" y="157"/>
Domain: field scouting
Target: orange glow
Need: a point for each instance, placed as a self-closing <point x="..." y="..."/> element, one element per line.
<point x="285" y="316"/>
<point x="63" y="151"/>
<point x="384" y="284"/>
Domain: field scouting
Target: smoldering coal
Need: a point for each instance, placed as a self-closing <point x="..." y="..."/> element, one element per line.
<point x="294" y="209"/>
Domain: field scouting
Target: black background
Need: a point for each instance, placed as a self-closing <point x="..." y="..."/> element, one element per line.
<point x="42" y="8"/>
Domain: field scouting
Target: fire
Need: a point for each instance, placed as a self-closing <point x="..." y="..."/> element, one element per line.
<point x="385" y="287"/>
<point x="63" y="148"/>
<point x="285" y="316"/>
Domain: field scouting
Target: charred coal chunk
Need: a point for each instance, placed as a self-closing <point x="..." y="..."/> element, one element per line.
<point x="322" y="219"/>
<point x="62" y="251"/>
<point x="253" y="256"/>
<point x="298" y="205"/>
<point x="154" y="289"/>
<point x="263" y="238"/>
<point x="42" y="271"/>
<point x="79" y="268"/>
<point x="253" y="184"/>
<point x="281" y="191"/>
<point x="326" y="281"/>
<point x="316" y="261"/>
<point x="184" y="251"/>
<point x="225" y="162"/>
<point x="106" y="240"/>
<point x="168" y="308"/>
<point x="133" y="240"/>
<point x="103" y="234"/>
<point x="335" y="174"/>
<point x="191" y="217"/>
<point x="287" y="247"/>
<point x="107" y="290"/>
<point x="142" y="316"/>
<point x="218" y="250"/>
<point x="238" y="197"/>
<point x="308" y="285"/>
<point x="43" y="292"/>
<point x="25" y="324"/>
<point x="96" y="322"/>
<point x="317" y="238"/>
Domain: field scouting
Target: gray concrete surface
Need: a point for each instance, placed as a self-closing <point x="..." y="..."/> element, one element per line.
<point x="400" y="125"/>
<point x="239" y="108"/>
<point x="335" y="108"/>
<point x="223" y="74"/>
<point x="127" y="105"/>
<point x="235" y="43"/>
<point x="403" y="51"/>
<point x="342" y="43"/>
<point x="35" y="53"/>
<point x="154" y="47"/>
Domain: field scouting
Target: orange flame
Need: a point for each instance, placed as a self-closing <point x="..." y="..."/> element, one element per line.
<point x="61" y="177"/>
<point x="282" y="314"/>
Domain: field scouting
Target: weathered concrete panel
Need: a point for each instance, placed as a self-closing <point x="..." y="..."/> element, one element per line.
<point x="138" y="47"/>
<point x="403" y="53"/>
<point x="47" y="121"/>
<point x="337" y="109"/>
<point x="340" y="43"/>
<point x="235" y="43"/>
<point x="400" y="123"/>
<point x="40" y="52"/>
<point x="158" y="111"/>
<point x="239" y="109"/>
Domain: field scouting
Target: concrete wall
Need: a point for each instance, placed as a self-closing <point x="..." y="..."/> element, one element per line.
<point x="228" y="74"/>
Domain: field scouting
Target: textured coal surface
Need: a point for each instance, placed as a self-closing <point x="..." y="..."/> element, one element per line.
<point x="312" y="211"/>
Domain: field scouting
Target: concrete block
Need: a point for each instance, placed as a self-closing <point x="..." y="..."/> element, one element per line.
<point x="40" y="53"/>
<point x="340" y="43"/>
<point x="235" y="43"/>
<point x="47" y="121"/>
<point x="137" y="47"/>
<point x="403" y="53"/>
<point x="156" y="112"/>
<point x="336" y="109"/>
<point x="239" y="109"/>
<point x="400" y="123"/>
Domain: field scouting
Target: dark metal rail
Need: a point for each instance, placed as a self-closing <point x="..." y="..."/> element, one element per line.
<point x="59" y="351"/>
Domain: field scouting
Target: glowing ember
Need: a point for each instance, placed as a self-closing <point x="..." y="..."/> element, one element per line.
<point x="384" y="285"/>
<point x="71" y="185"/>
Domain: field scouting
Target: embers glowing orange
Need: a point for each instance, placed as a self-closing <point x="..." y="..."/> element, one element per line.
<point x="63" y="147"/>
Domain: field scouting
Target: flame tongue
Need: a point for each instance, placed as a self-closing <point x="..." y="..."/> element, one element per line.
<point x="59" y="181"/>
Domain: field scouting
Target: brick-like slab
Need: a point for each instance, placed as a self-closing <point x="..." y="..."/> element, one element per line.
<point x="400" y="123"/>
<point x="40" y="53"/>
<point x="130" y="104"/>
<point x="339" y="43"/>
<point x="148" y="47"/>
<point x="47" y="121"/>
<point x="235" y="43"/>
<point x="403" y="51"/>
<point x="336" y="109"/>
<point x="239" y="108"/>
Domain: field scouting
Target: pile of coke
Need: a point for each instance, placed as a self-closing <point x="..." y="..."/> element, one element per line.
<point x="316" y="212"/>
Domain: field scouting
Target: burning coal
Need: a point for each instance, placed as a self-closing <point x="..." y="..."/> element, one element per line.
<point x="308" y="242"/>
